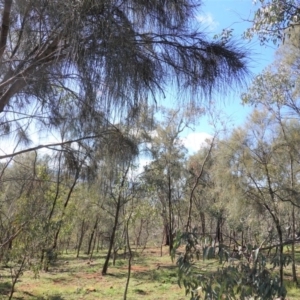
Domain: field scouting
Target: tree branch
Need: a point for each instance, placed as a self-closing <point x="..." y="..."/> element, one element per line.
<point x="5" y="25"/>
<point x="49" y="145"/>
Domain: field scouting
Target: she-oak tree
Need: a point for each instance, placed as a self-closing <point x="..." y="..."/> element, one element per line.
<point x="103" y="55"/>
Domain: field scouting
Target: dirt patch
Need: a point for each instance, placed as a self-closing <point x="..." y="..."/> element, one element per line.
<point x="84" y="275"/>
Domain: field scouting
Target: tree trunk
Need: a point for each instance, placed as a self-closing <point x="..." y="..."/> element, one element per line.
<point x="293" y="247"/>
<point x="81" y="237"/>
<point x="93" y="247"/>
<point x="203" y="227"/>
<point x="92" y="236"/>
<point x="170" y="225"/>
<point x="219" y="235"/>
<point x="138" y="238"/>
<point x="116" y="221"/>
<point x="279" y="231"/>
<point x="129" y="262"/>
<point x="167" y="235"/>
<point x="112" y="238"/>
<point x="66" y="204"/>
<point x="242" y="238"/>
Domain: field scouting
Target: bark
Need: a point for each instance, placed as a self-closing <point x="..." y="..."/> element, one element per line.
<point x="138" y="238"/>
<point x="81" y="237"/>
<point x="112" y="238"/>
<point x="170" y="225"/>
<point x="219" y="234"/>
<point x="15" y="277"/>
<point x="93" y="247"/>
<point x="203" y="223"/>
<point x="280" y="245"/>
<point x="92" y="236"/>
<point x="5" y="25"/>
<point x="295" y="279"/>
<point x="129" y="261"/>
<point x="116" y="222"/>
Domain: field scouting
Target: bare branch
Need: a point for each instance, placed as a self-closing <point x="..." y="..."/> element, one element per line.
<point x="51" y="145"/>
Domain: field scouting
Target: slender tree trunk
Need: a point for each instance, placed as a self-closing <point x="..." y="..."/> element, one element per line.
<point x="93" y="247"/>
<point x="280" y="237"/>
<point x="162" y="242"/>
<point x="116" y="221"/>
<point x="138" y="238"/>
<point x="16" y="276"/>
<point x="65" y="207"/>
<point x="203" y="224"/>
<point x="279" y="231"/>
<point x="146" y="236"/>
<point x="112" y="238"/>
<point x="98" y="242"/>
<point x="81" y="237"/>
<point x="167" y="235"/>
<point x="129" y="261"/>
<point x="92" y="236"/>
<point x="219" y="235"/>
<point x="115" y="253"/>
<point x="293" y="247"/>
<point x="242" y="238"/>
<point x="170" y="225"/>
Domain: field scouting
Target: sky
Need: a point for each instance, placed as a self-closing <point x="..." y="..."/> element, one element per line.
<point x="214" y="16"/>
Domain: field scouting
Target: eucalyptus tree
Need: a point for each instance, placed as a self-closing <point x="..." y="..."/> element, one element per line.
<point x="198" y="182"/>
<point x="28" y="189"/>
<point x="282" y="101"/>
<point x="247" y="176"/>
<point x="120" y="191"/>
<point x="166" y="173"/>
<point x="275" y="20"/>
<point x="262" y="164"/>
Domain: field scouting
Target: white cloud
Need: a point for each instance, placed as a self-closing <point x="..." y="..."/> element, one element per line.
<point x="196" y="140"/>
<point x="208" y="21"/>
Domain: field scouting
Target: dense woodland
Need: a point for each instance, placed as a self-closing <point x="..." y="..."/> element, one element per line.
<point x="93" y="75"/>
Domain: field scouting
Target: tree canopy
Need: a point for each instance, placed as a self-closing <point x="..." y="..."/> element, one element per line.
<point x="84" y="59"/>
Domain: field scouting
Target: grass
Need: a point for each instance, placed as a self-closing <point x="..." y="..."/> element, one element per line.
<point x="152" y="277"/>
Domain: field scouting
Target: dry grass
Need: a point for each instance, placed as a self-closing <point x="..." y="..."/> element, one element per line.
<point x="152" y="277"/>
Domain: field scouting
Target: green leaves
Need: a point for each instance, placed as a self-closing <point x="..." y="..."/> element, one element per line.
<point x="273" y="19"/>
<point x="235" y="279"/>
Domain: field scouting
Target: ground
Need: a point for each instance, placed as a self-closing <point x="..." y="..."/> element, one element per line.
<point x="152" y="277"/>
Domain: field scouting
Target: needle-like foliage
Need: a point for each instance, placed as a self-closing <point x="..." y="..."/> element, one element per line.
<point x="105" y="55"/>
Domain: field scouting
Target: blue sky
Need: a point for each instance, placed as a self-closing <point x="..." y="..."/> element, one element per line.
<point x="214" y="16"/>
<point x="217" y="15"/>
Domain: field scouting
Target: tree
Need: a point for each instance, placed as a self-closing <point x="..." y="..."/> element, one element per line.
<point x="251" y="177"/>
<point x="166" y="174"/>
<point x="275" y="20"/>
<point x="198" y="184"/>
<point x="102" y="55"/>
<point x="282" y="101"/>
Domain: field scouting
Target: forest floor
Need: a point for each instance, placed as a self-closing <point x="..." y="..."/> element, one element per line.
<point x="152" y="277"/>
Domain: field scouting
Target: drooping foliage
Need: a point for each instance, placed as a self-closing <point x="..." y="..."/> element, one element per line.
<point x="82" y="59"/>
